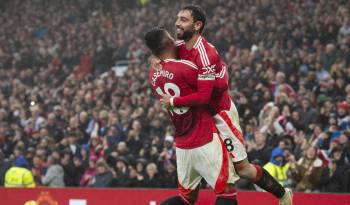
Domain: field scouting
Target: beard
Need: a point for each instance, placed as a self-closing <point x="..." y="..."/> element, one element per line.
<point x="184" y="34"/>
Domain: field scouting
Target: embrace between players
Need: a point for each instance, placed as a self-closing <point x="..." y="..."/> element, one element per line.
<point x="194" y="89"/>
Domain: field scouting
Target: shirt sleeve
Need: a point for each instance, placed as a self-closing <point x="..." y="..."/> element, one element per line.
<point x="205" y="84"/>
<point x="50" y="174"/>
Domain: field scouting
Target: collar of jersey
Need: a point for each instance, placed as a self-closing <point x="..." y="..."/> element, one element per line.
<point x="169" y="59"/>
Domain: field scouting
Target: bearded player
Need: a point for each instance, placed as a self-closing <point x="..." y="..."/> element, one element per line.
<point x="213" y="90"/>
<point x="200" y="152"/>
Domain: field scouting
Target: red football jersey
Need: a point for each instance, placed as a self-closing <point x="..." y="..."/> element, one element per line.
<point x="193" y="126"/>
<point x="212" y="82"/>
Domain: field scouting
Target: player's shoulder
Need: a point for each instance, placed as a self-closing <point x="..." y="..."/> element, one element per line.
<point x="188" y="64"/>
<point x="206" y="52"/>
<point x="183" y="63"/>
<point x="203" y="44"/>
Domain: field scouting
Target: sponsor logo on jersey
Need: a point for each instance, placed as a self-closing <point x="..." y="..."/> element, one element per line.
<point x="209" y="69"/>
<point x="206" y="76"/>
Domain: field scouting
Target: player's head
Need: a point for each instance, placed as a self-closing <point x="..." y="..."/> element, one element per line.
<point x="189" y="21"/>
<point x="159" y="41"/>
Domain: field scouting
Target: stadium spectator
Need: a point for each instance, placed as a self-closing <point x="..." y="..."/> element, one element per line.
<point x="278" y="166"/>
<point x="336" y="177"/>
<point x="103" y="177"/>
<point x="152" y="178"/>
<point x="258" y="149"/>
<point x="4" y="166"/>
<point x="306" y="172"/>
<point x="121" y="170"/>
<point x="19" y="175"/>
<point x="89" y="173"/>
<point x="72" y="167"/>
<point x="54" y="176"/>
<point x="170" y="177"/>
<point x="137" y="175"/>
<point x="135" y="179"/>
<point x="38" y="168"/>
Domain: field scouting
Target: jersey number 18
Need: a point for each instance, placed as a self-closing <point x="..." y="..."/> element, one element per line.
<point x="172" y="90"/>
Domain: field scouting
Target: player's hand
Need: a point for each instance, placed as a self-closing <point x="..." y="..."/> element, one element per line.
<point x="165" y="100"/>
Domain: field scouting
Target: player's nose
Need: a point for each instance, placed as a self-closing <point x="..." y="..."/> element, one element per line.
<point x="178" y="26"/>
<point x="177" y="23"/>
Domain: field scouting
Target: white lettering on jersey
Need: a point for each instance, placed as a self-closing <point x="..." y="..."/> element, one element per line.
<point x="161" y="73"/>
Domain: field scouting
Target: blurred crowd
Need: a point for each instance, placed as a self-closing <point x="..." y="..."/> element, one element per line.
<point x="289" y="77"/>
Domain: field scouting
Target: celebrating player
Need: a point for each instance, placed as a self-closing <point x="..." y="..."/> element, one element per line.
<point x="213" y="90"/>
<point x="200" y="152"/>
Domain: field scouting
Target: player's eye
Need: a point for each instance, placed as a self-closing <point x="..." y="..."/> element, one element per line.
<point x="183" y="19"/>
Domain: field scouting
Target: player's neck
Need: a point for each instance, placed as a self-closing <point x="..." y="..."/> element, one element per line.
<point x="192" y="41"/>
<point x="166" y="56"/>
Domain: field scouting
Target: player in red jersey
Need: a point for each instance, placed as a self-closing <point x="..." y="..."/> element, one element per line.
<point x="200" y="152"/>
<point x="194" y="47"/>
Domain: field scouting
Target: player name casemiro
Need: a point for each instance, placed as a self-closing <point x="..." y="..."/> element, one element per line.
<point x="161" y="73"/>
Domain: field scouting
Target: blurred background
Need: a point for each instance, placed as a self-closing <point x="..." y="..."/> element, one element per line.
<point x="76" y="109"/>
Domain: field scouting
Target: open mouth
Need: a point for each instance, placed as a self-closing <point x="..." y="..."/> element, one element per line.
<point x="179" y="30"/>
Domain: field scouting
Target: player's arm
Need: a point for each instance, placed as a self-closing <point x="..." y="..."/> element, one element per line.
<point x="206" y="62"/>
<point x="205" y="85"/>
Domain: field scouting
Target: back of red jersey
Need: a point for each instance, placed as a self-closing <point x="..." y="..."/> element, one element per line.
<point x="193" y="126"/>
<point x="206" y="57"/>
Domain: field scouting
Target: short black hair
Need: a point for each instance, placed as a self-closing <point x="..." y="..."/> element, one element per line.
<point x="154" y="39"/>
<point x="198" y="14"/>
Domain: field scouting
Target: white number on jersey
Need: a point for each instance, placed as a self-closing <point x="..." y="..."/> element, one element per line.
<point x="176" y="93"/>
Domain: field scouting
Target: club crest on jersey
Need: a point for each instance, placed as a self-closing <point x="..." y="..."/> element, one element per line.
<point x="209" y="69"/>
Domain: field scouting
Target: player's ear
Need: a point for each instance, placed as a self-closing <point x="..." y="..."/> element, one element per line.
<point x="198" y="25"/>
<point x="170" y="42"/>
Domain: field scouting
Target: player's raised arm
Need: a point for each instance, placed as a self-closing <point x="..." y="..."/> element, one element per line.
<point x="204" y="85"/>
